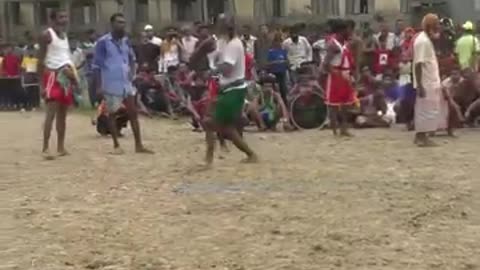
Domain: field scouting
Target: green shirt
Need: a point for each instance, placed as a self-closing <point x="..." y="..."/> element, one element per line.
<point x="466" y="49"/>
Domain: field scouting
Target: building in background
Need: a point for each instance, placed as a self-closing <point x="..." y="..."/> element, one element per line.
<point x="18" y="16"/>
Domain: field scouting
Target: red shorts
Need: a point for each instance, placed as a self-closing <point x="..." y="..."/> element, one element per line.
<point x="339" y="91"/>
<point x="54" y="91"/>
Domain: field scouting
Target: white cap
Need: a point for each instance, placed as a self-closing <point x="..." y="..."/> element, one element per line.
<point x="148" y="27"/>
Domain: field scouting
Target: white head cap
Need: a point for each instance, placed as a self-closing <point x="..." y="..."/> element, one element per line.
<point x="148" y="27"/>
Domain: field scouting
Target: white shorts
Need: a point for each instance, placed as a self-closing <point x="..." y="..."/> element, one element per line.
<point x="114" y="102"/>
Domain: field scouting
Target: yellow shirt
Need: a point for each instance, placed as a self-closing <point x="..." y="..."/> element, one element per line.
<point x="29" y="64"/>
<point x="466" y="49"/>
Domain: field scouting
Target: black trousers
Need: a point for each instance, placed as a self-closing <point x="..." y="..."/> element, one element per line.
<point x="282" y="84"/>
<point x="32" y="97"/>
<point x="11" y="93"/>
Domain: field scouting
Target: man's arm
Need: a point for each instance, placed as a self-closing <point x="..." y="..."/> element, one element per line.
<point x="419" y="60"/>
<point x="45" y="39"/>
<point x="98" y="62"/>
<point x="332" y="50"/>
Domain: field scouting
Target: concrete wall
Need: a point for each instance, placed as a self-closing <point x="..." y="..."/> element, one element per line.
<point x="387" y="6"/>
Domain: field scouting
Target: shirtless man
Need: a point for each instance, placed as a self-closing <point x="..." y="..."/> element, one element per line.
<point x="57" y="78"/>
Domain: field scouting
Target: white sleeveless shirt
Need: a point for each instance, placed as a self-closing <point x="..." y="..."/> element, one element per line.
<point x="337" y="59"/>
<point x="58" y="52"/>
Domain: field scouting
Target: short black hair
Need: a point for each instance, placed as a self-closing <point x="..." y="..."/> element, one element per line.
<point x="54" y="14"/>
<point x="115" y="16"/>
<point x="351" y="23"/>
<point x="90" y="31"/>
<point x="337" y="25"/>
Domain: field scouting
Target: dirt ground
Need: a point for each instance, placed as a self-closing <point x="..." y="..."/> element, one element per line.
<point x="314" y="202"/>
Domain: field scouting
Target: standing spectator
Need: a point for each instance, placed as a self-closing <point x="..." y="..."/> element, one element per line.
<point x="298" y="50"/>
<point x="114" y="67"/>
<point x="199" y="61"/>
<point x="385" y="31"/>
<point x="170" y="52"/>
<point x="151" y="35"/>
<point x="11" y="62"/>
<point x="426" y="79"/>
<point x="147" y="52"/>
<point x="467" y="48"/>
<point x="189" y="42"/>
<point x="278" y="64"/>
<point x="399" y="32"/>
<point x="87" y="47"/>
<point x="261" y="48"/>
<point x="249" y="39"/>
<point x="30" y="78"/>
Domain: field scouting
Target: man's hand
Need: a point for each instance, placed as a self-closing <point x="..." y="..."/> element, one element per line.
<point x="421" y="91"/>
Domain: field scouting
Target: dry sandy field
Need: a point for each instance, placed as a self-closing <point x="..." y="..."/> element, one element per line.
<point x="314" y="202"/>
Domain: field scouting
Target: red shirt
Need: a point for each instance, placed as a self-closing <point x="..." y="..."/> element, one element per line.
<point x="11" y="65"/>
<point x="382" y="60"/>
<point x="249" y="61"/>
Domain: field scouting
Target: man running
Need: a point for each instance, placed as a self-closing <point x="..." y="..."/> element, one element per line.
<point x="233" y="89"/>
<point x="426" y="81"/>
<point x="114" y="64"/>
<point x="57" y="77"/>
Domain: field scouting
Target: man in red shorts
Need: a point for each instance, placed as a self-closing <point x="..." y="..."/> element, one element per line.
<point x="57" y="76"/>
<point x="337" y="67"/>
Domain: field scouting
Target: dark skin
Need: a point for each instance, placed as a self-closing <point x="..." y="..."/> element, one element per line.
<point x="228" y="130"/>
<point x="118" y="33"/>
<point x="421" y="138"/>
<point x="336" y="112"/>
<point x="53" y="109"/>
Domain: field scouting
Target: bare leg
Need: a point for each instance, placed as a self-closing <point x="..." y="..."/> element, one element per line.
<point x="61" y="129"/>
<point x="241" y="144"/>
<point x="112" y="126"/>
<point x="210" y="140"/>
<point x="333" y="116"/>
<point x="51" y="111"/>
<point x="344" y="123"/>
<point x="422" y="140"/>
<point x="133" y="118"/>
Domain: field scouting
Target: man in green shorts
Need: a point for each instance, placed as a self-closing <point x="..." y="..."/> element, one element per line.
<point x="230" y="63"/>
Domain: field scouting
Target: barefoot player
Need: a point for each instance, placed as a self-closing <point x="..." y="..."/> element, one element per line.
<point x="233" y="89"/>
<point x="337" y="66"/>
<point x="114" y="65"/>
<point x="56" y="73"/>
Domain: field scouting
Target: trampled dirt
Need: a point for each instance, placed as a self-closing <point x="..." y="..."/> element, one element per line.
<point x="314" y="202"/>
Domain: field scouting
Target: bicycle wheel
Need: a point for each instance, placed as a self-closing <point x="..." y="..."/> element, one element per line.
<point x="308" y="111"/>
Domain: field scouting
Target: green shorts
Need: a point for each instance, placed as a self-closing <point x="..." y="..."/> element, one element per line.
<point x="229" y="106"/>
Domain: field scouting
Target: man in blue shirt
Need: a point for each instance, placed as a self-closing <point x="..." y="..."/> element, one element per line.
<point x="114" y="65"/>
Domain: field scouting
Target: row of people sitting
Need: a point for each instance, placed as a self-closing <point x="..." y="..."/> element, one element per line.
<point x="381" y="101"/>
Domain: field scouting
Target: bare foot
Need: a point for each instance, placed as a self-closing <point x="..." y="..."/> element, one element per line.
<point x="117" y="151"/>
<point x="346" y="134"/>
<point x="62" y="153"/>
<point x="143" y="150"/>
<point x="251" y="159"/>
<point x="47" y="156"/>
<point x="224" y="149"/>
<point x="425" y="143"/>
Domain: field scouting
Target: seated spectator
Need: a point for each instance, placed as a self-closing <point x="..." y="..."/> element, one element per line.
<point x="268" y="108"/>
